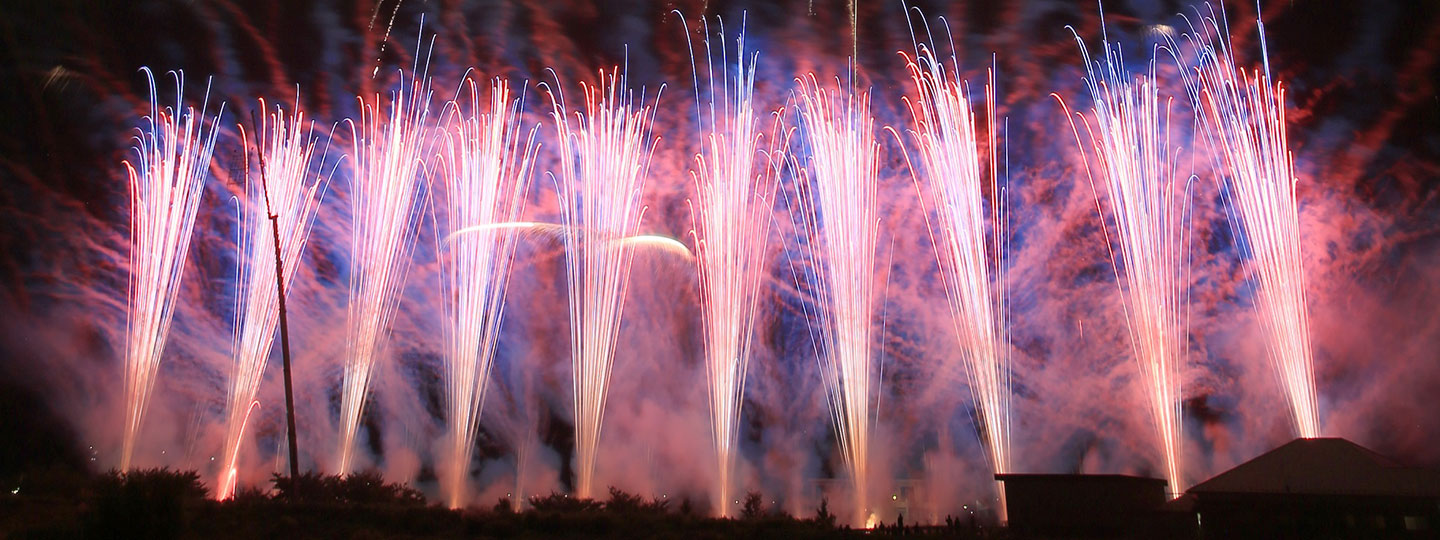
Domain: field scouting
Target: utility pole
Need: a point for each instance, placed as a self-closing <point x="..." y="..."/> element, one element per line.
<point x="284" y="326"/>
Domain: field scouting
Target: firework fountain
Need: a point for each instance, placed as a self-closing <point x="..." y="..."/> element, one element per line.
<point x="1148" y="203"/>
<point x="167" y="178"/>
<point x="604" y="158"/>
<point x="736" y="195"/>
<point x="950" y="155"/>
<point x="288" y="146"/>
<point x="1244" y="116"/>
<point x="486" y="166"/>
<point x="385" y="192"/>
<point x="840" y="191"/>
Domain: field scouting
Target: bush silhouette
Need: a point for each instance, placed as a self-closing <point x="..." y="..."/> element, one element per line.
<point x="622" y="502"/>
<point x="308" y="487"/>
<point x="563" y="504"/>
<point x="369" y="488"/>
<point x="174" y="504"/>
<point x="625" y="503"/>
<point x="357" y="488"/>
<point x="152" y="503"/>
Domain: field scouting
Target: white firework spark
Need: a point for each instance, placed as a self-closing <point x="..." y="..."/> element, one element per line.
<point x="1244" y="117"/>
<point x="486" y="166"/>
<point x="735" y="175"/>
<point x="840" y="191"/>
<point x="167" y="179"/>
<point x="605" y="155"/>
<point x="385" y="191"/>
<point x="949" y="148"/>
<point x="1149" y="203"/>
<point x="288" y="146"/>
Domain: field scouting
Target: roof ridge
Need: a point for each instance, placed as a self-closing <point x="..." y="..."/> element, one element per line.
<point x="1330" y="465"/>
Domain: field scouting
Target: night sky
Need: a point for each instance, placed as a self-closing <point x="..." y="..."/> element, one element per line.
<point x="1364" y="127"/>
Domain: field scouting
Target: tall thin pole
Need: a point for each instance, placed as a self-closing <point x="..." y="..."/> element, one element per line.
<point x="284" y="326"/>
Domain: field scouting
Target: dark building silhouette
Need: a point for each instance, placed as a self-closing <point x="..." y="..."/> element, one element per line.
<point x="1319" y="488"/>
<point x="1084" y="505"/>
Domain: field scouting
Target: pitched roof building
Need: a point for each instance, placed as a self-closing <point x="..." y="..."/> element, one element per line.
<point x="1319" y="488"/>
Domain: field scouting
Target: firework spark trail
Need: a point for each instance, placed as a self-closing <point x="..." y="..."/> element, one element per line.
<point x="289" y="148"/>
<point x="949" y="148"/>
<point x="604" y="156"/>
<point x="384" y="196"/>
<point x="486" y="166"/>
<point x="842" y="194"/>
<point x="731" y="224"/>
<point x="1148" y="205"/>
<point x="230" y="475"/>
<point x="380" y="49"/>
<point x="1244" y="116"/>
<point x="167" y="179"/>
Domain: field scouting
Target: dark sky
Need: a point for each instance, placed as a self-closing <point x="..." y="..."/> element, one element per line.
<point x="1364" y="126"/>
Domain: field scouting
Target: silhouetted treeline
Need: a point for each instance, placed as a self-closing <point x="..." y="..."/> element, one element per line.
<point x="163" y="503"/>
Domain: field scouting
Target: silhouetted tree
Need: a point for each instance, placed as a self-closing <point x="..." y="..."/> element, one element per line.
<point x="753" y="507"/>
<point x="823" y="515"/>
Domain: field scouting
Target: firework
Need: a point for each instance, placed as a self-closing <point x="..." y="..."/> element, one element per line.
<point x="288" y="147"/>
<point x="230" y="475"/>
<point x="1148" y="203"/>
<point x="385" y="192"/>
<point x="604" y="155"/>
<point x="950" y="155"/>
<point x="167" y="178"/>
<point x="839" y="189"/>
<point x="486" y="166"/>
<point x="1244" y="116"/>
<point x="732" y="221"/>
